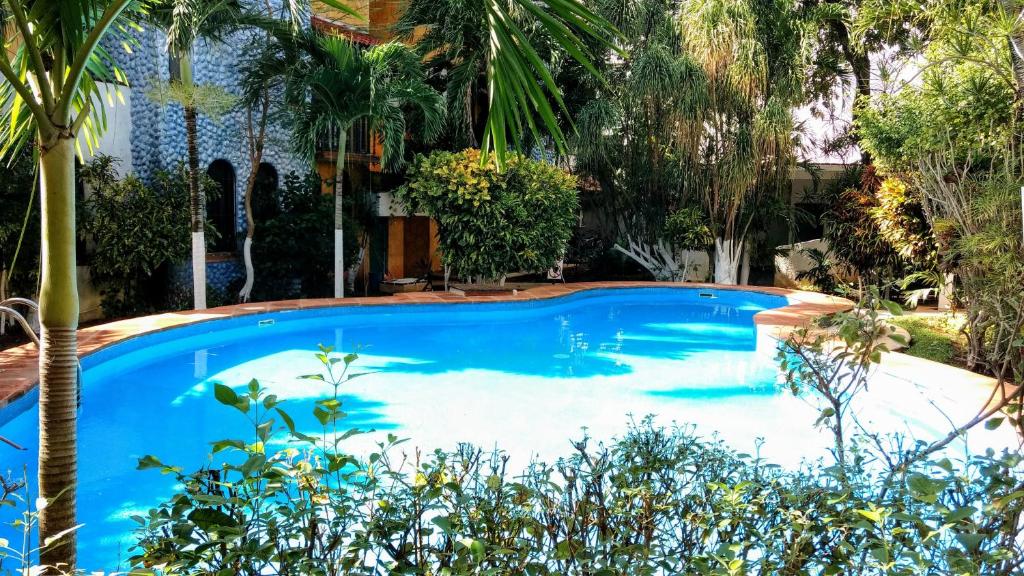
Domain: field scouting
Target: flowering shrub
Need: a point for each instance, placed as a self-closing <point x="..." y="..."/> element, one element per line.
<point x="490" y="222"/>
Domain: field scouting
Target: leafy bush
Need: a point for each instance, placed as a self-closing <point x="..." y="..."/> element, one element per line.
<point x="292" y="250"/>
<point x="687" y="229"/>
<point x="853" y="234"/>
<point x="655" y="501"/>
<point x="822" y="272"/>
<point x="133" y="232"/>
<point x="492" y="223"/>
<point x="901" y="222"/>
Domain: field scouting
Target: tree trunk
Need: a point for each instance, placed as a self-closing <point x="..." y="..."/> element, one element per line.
<point x="250" y="228"/>
<point x="339" y="239"/>
<point x="727" y="261"/>
<point x="58" y="356"/>
<point x="196" y="200"/>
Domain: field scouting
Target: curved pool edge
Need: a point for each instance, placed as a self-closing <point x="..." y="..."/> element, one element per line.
<point x="19" y="365"/>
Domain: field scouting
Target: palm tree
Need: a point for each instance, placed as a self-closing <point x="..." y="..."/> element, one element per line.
<point x="185" y="22"/>
<point x="750" y="53"/>
<point x="49" y="110"/>
<point x="493" y="48"/>
<point x="329" y="84"/>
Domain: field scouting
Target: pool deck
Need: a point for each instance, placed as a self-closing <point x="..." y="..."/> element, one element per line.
<point x="19" y="365"/>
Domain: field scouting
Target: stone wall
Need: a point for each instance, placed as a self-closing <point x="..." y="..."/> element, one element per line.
<point x="158" y="132"/>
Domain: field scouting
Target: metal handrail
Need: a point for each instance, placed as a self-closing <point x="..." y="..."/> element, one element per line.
<point x="21" y="321"/>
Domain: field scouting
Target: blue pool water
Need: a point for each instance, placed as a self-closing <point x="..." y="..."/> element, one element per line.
<point x="526" y="377"/>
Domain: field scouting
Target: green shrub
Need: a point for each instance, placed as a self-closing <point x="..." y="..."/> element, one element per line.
<point x="133" y="232"/>
<point x="492" y="223"/>
<point x="292" y="250"/>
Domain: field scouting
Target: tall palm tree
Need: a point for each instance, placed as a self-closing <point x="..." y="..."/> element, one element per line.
<point x="329" y="84"/>
<point x="185" y="22"/>
<point x="52" y="67"/>
<point x="493" y="48"/>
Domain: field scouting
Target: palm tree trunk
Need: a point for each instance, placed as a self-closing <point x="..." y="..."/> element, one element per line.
<point x="58" y="356"/>
<point x="339" y="238"/>
<point x="196" y="199"/>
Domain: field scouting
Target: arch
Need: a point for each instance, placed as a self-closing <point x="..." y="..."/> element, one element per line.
<point x="220" y="208"/>
<point x="265" y="201"/>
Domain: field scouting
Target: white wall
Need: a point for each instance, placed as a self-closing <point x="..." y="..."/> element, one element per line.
<point x="115" y="140"/>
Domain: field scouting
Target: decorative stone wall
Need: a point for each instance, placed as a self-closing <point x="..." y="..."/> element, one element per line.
<point x="158" y="132"/>
<point x="224" y="277"/>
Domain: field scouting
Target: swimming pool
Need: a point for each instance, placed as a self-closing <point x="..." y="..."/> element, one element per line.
<point x="524" y="376"/>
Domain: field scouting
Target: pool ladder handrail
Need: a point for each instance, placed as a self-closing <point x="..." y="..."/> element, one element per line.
<point x="7" y="308"/>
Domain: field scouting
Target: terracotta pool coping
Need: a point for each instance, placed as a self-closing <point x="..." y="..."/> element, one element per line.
<point x="19" y="365"/>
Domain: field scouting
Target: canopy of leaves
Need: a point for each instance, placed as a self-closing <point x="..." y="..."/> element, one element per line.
<point x="492" y="223"/>
<point x="328" y="83"/>
<point x="698" y="112"/>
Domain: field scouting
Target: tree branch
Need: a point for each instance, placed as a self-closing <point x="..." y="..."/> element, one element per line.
<point x="43" y="123"/>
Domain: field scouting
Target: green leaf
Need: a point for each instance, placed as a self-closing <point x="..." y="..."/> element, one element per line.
<point x="209" y="518"/>
<point x="993" y="423"/>
<point x="148" y="462"/>
<point x="225" y="395"/>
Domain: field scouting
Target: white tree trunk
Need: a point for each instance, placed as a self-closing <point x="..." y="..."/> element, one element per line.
<point x="727" y="261"/>
<point x="339" y="263"/>
<point x="745" y="266"/>
<point x="353" y="270"/>
<point x="657" y="259"/>
<point x="946" y="293"/>
<point x="250" y="275"/>
<point x="199" y="269"/>
<point x="339" y="211"/>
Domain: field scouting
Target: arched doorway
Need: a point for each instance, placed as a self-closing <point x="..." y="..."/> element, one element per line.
<point x="220" y="208"/>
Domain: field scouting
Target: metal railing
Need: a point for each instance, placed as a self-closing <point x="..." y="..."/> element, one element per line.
<point x="7" y="309"/>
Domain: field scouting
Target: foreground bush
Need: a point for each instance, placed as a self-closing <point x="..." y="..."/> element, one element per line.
<point x="655" y="501"/>
<point x="493" y="223"/>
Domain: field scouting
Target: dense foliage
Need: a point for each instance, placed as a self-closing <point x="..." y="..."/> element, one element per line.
<point x="492" y="223"/>
<point x="955" y="140"/>
<point x="19" y="227"/>
<point x="293" y="256"/>
<point x="854" y="235"/>
<point x="656" y="500"/>
<point x="133" y="231"/>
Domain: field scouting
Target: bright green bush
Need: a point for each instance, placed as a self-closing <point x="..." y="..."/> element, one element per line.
<point x="490" y="222"/>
